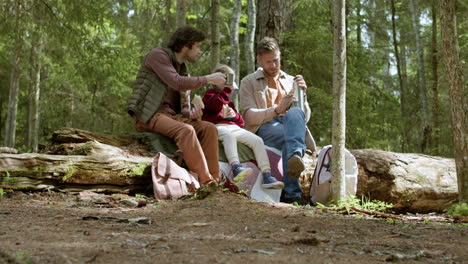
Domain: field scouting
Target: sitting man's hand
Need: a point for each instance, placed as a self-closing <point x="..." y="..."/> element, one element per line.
<point x="300" y="82"/>
<point x="284" y="104"/>
<point x="216" y="78"/>
<point x="196" y="112"/>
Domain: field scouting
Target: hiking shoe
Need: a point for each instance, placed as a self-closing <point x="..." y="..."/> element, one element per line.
<point x="240" y="173"/>
<point x="295" y="166"/>
<point x="270" y="182"/>
<point x="297" y="201"/>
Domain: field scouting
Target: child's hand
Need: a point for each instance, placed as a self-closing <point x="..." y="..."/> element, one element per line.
<point x="231" y="113"/>
<point x="196" y="112"/>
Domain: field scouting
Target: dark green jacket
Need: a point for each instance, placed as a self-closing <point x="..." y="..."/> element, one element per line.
<point x="149" y="91"/>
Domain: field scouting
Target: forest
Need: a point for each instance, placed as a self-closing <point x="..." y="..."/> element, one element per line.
<point x="67" y="68"/>
<point x="72" y="63"/>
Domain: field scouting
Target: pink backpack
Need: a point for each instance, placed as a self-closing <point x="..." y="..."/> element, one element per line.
<point x="170" y="181"/>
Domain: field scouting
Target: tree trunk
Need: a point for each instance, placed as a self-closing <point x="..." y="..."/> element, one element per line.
<point x="339" y="102"/>
<point x="424" y="110"/>
<point x="10" y="127"/>
<point x="234" y="28"/>
<point x="250" y="36"/>
<point x="180" y="13"/>
<point x="235" y="38"/>
<point x="168" y="18"/>
<point x="35" y="81"/>
<point x="435" y="84"/>
<point x="359" y="21"/>
<point x="403" y="112"/>
<point x="407" y="117"/>
<point x="448" y="26"/>
<point x="273" y="17"/>
<point x="215" y="52"/>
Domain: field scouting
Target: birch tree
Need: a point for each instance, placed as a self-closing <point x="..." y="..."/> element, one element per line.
<point x="10" y="126"/>
<point x="250" y="36"/>
<point x="339" y="101"/>
<point x="234" y="28"/>
<point x="459" y="105"/>
<point x="35" y="78"/>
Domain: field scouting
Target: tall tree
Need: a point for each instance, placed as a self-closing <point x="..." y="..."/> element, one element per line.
<point x="435" y="82"/>
<point x="272" y="19"/>
<point x="448" y="26"/>
<point x="180" y="13"/>
<point x="10" y="126"/>
<point x="403" y="103"/>
<point x="234" y="28"/>
<point x="215" y="50"/>
<point x="339" y="101"/>
<point x="424" y="110"/>
<point x="359" y="21"/>
<point x="250" y="36"/>
<point x="35" y="77"/>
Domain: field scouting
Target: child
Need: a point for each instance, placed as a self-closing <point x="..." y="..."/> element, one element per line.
<point x="222" y="112"/>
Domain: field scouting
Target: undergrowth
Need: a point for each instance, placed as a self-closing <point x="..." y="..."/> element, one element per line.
<point x="364" y="203"/>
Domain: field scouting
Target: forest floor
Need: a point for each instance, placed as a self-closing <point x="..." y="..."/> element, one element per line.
<point x="223" y="227"/>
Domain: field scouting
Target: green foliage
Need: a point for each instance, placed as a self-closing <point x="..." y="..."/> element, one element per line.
<point x="92" y="51"/>
<point x="2" y="192"/>
<point x="460" y="209"/>
<point x="364" y="203"/>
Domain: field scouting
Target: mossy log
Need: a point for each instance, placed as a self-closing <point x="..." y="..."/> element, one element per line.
<point x="32" y="170"/>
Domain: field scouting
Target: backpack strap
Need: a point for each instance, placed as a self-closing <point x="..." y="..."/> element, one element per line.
<point x="317" y="173"/>
<point x="321" y="166"/>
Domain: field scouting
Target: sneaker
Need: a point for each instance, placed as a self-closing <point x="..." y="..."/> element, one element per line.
<point x="240" y="173"/>
<point x="270" y="182"/>
<point x="296" y="200"/>
<point x="295" y="166"/>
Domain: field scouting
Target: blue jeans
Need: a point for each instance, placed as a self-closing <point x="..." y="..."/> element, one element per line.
<point x="287" y="133"/>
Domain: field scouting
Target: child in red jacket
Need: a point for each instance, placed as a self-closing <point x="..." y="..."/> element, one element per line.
<point x="222" y="112"/>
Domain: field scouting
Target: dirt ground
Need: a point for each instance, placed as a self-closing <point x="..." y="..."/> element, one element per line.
<point x="224" y="227"/>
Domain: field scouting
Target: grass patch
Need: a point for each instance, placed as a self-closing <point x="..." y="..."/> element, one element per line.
<point x="459" y="209"/>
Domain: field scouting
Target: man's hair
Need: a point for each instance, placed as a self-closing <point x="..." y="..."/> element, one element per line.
<point x="267" y="44"/>
<point x="185" y="36"/>
<point x="223" y="68"/>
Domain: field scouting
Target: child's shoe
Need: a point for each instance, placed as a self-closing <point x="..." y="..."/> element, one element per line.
<point x="270" y="182"/>
<point x="240" y="173"/>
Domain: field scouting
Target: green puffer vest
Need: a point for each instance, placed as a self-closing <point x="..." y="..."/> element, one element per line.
<point x="149" y="91"/>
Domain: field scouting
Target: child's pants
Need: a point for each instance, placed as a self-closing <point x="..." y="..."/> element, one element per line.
<point x="231" y="134"/>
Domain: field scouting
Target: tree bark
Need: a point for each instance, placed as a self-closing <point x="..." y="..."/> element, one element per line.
<point x="457" y="91"/>
<point x="236" y="12"/>
<point x="168" y="20"/>
<point x="10" y="126"/>
<point x="435" y="84"/>
<point x="359" y="21"/>
<point x="339" y="101"/>
<point x="401" y="82"/>
<point x="180" y="13"/>
<point x="273" y="17"/>
<point x="234" y="62"/>
<point x="215" y="50"/>
<point x="426" y="130"/>
<point x="35" y="80"/>
<point x="250" y="36"/>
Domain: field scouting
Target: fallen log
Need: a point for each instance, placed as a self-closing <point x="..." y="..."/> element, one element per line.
<point x="39" y="171"/>
<point x="80" y="160"/>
